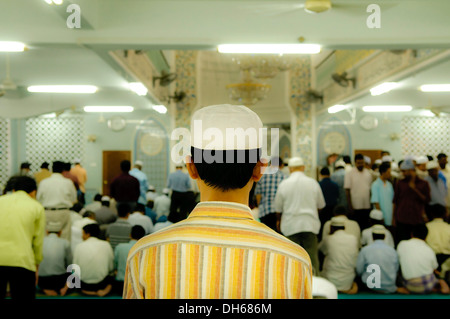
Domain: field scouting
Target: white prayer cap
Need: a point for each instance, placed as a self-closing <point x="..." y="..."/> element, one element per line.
<point x="139" y="163"/>
<point x="338" y="221"/>
<point x="421" y="160"/>
<point x="367" y="160"/>
<point x="295" y="162"/>
<point x="77" y="160"/>
<point x="394" y="166"/>
<point x="378" y="161"/>
<point x="432" y="165"/>
<point x="378" y="229"/>
<point x="339" y="163"/>
<point x="106" y="199"/>
<point x="166" y="191"/>
<point x="210" y="125"/>
<point x="386" y="158"/>
<point x="376" y="214"/>
<point x="54" y="227"/>
<point x="151" y="188"/>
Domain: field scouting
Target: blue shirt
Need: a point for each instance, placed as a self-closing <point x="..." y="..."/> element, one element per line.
<point x="379" y="253"/>
<point x="267" y="188"/>
<point x="120" y="258"/>
<point x="179" y="182"/>
<point x="383" y="194"/>
<point x="338" y="177"/>
<point x="330" y="191"/>
<point x="57" y="256"/>
<point x="143" y="184"/>
<point x="438" y="191"/>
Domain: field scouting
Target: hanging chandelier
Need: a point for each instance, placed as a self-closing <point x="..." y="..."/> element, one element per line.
<point x="248" y="92"/>
<point x="263" y="66"/>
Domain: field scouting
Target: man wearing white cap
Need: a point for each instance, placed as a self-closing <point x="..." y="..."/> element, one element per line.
<point x="438" y="191"/>
<point x="105" y="215"/>
<point x="376" y="219"/>
<point x="341" y="252"/>
<point x="226" y="249"/>
<point x="143" y="181"/>
<point x="338" y="176"/>
<point x="380" y="259"/>
<point x="162" y="204"/>
<point x="298" y="201"/>
<point x="80" y="173"/>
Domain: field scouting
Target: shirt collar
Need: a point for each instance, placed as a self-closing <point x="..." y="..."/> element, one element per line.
<point x="222" y="210"/>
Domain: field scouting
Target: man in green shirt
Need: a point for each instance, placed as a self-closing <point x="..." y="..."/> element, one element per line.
<point x="22" y="231"/>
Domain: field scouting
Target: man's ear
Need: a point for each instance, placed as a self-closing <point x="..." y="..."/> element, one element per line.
<point x="192" y="170"/>
<point x="259" y="169"/>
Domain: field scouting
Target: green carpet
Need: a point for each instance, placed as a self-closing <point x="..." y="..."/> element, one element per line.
<point x="368" y="295"/>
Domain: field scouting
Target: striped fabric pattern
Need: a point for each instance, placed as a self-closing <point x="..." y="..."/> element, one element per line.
<point x="267" y="187"/>
<point x="219" y="251"/>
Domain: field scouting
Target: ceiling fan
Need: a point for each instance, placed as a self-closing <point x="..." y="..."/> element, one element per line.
<point x="343" y="80"/>
<point x="8" y="88"/>
<point x="314" y="96"/>
<point x="165" y="79"/>
<point x="177" y="96"/>
<point x="437" y="110"/>
<point x="318" y="6"/>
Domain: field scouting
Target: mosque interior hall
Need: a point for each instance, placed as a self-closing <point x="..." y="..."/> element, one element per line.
<point x="107" y="81"/>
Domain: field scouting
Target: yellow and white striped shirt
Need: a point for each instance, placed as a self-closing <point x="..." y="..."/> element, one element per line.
<point x="219" y="252"/>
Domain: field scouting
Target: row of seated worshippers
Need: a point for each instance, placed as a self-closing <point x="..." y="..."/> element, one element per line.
<point x="369" y="261"/>
<point x="100" y="241"/>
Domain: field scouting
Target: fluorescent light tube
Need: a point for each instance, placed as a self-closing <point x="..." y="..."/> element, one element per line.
<point x="11" y="46"/>
<point x="337" y="108"/>
<point x="138" y="88"/>
<point x="387" y="108"/>
<point x="87" y="89"/>
<point x="383" y="88"/>
<point x="57" y="2"/>
<point x="108" y="109"/>
<point x="160" y="109"/>
<point x="435" y="88"/>
<point x="270" y="48"/>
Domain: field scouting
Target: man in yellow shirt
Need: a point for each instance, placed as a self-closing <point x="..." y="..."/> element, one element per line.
<point x="43" y="173"/>
<point x="22" y="231"/>
<point x="220" y="250"/>
<point x="438" y="237"/>
<point x="80" y="173"/>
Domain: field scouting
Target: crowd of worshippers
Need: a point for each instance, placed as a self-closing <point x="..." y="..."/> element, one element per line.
<point x="56" y="229"/>
<point x="377" y="228"/>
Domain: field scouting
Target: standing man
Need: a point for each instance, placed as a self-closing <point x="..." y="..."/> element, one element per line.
<point x="80" y="173"/>
<point x="180" y="184"/>
<point x="357" y="186"/>
<point x="383" y="193"/>
<point x="411" y="195"/>
<point x="43" y="173"/>
<point x="25" y="170"/>
<point x="297" y="203"/>
<point x="265" y="192"/>
<point x="143" y="181"/>
<point x="330" y="191"/>
<point x="125" y="189"/>
<point x="22" y="231"/>
<point x="438" y="191"/>
<point x="228" y="253"/>
<point x="338" y="177"/>
<point x="58" y="194"/>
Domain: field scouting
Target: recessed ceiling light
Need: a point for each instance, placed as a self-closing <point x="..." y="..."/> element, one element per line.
<point x="138" y="88"/>
<point x="435" y="88"/>
<point x="387" y="108"/>
<point x="86" y="89"/>
<point x="337" y="108"/>
<point x="108" y="109"/>
<point x="12" y="46"/>
<point x="160" y="108"/>
<point x="384" y="88"/>
<point x="270" y="48"/>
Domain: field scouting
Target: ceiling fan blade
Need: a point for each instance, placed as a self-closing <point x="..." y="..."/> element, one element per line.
<point x="272" y="10"/>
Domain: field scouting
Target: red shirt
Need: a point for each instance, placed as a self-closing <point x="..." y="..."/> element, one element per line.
<point x="409" y="207"/>
<point x="125" y="188"/>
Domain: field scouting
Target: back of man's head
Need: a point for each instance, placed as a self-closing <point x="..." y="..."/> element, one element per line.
<point x="58" y="167"/>
<point x="340" y="210"/>
<point x="438" y="211"/>
<point x="23" y="183"/>
<point x="420" y="231"/>
<point x="125" y="166"/>
<point x="98" y="197"/>
<point x="67" y="166"/>
<point x="346" y="159"/>
<point x="137" y="232"/>
<point x="378" y="236"/>
<point x="45" y="165"/>
<point x="89" y="214"/>
<point x="25" y="165"/>
<point x="140" y="208"/>
<point x="325" y="171"/>
<point x="92" y="229"/>
<point x="123" y="210"/>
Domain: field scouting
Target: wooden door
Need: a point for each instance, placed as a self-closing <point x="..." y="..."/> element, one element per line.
<point x="373" y="154"/>
<point x="111" y="166"/>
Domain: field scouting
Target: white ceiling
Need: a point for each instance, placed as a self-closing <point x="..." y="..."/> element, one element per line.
<point x="59" y="55"/>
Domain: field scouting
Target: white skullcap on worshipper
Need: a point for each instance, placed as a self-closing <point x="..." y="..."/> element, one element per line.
<point x="386" y="158"/>
<point x="210" y="125"/>
<point x="54" y="227"/>
<point x="338" y="221"/>
<point x="378" y="161"/>
<point x="166" y="191"/>
<point x="106" y="199"/>
<point x="367" y="160"/>
<point x="376" y="214"/>
<point x="421" y="160"/>
<point x="151" y="188"/>
<point x="378" y="229"/>
<point x="432" y="165"/>
<point x="77" y="160"/>
<point x="339" y="163"/>
<point x="140" y="163"/>
<point x="409" y="157"/>
<point x="394" y="166"/>
<point x="295" y="162"/>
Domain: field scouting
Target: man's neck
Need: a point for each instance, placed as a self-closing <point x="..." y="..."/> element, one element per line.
<point x="209" y="194"/>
